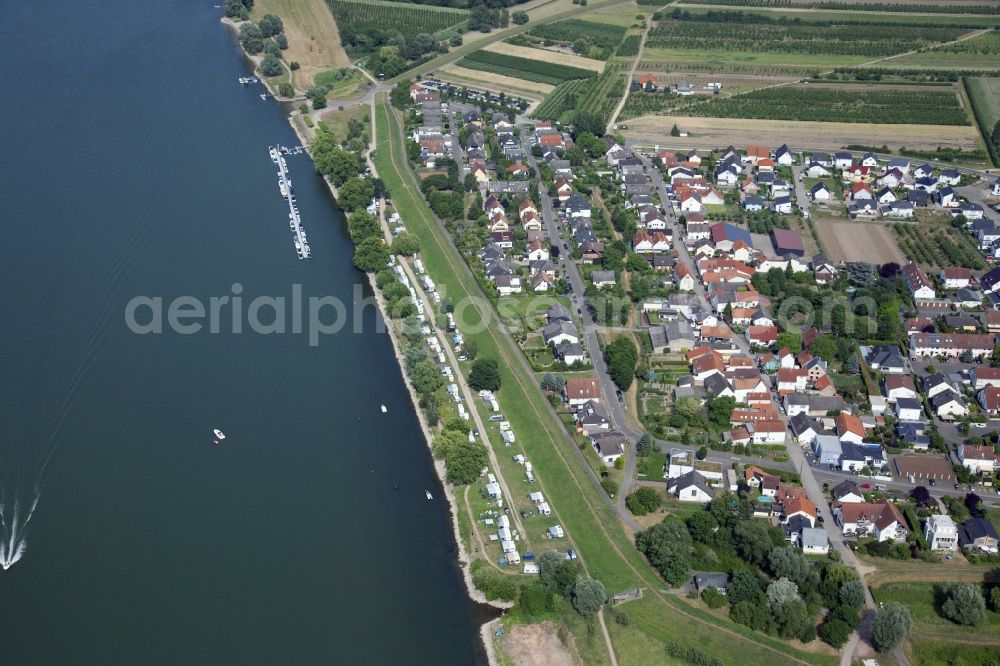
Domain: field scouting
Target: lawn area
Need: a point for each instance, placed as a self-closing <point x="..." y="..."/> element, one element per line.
<point x="336" y="120"/>
<point x="650" y="468"/>
<point x="575" y="497"/>
<point x="928" y="623"/>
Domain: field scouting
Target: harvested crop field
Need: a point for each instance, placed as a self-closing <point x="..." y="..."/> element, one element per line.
<point x="476" y="78"/>
<point x="715" y="132"/>
<point x="313" y="39"/>
<point x="557" y="57"/>
<point x="859" y="241"/>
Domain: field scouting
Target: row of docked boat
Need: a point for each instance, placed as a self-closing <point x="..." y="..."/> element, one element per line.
<point x="299" y="238"/>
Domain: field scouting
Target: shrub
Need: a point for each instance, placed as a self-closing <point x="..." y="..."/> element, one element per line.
<point x="892" y="624"/>
<point x="643" y="500"/>
<point x="713" y="599"/>
<point x="964" y="604"/>
<point x="494" y="584"/>
<point x="835" y="632"/>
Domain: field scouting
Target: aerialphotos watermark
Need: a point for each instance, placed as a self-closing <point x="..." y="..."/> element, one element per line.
<point x="318" y="316"/>
<point x="296" y="314"/>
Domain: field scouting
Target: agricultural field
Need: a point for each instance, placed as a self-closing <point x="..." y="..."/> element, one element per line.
<point x="743" y="62"/>
<point x="355" y="17"/>
<point x="715" y="132"/>
<point x="562" y="100"/>
<point x="605" y="92"/>
<point x="313" y="40"/>
<point x="603" y="35"/>
<point x="539" y="71"/>
<point x="473" y="78"/>
<point x="981" y="52"/>
<point x="556" y="57"/>
<point x="858" y="241"/>
<point x="936" y="245"/>
<point x="756" y="33"/>
<point x="872" y="105"/>
<point x="877" y="15"/>
<point x="984" y="95"/>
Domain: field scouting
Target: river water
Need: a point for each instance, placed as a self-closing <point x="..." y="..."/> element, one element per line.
<point x="134" y="165"/>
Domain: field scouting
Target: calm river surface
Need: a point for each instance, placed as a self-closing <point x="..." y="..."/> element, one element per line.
<point x="135" y="165"/>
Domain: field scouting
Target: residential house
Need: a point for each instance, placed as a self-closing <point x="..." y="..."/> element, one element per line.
<point x="691" y="487"/>
<point x="978" y="534"/>
<point x="982" y="376"/>
<point x="941" y="533"/>
<point x="820" y="192"/>
<point x="952" y="345"/>
<point x="979" y="459"/>
<point x="581" y="390"/>
<point x="610" y="446"/>
<point x="881" y="520"/>
<point x="909" y="409"/>
<point x="916" y="281"/>
<point x="898" y="386"/>
<point x="849" y="428"/>
<point x="847" y="492"/>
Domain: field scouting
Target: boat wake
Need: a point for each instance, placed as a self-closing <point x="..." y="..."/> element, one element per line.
<point x="13" y="525"/>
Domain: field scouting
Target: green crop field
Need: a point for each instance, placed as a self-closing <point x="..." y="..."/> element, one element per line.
<point x="596" y="95"/>
<point x="984" y="94"/>
<point x="523" y="68"/>
<point x="873" y="106"/>
<point x="980" y="52"/>
<point x="739" y="31"/>
<point x="374" y="16"/>
<point x="603" y="35"/>
<point x="793" y="13"/>
<point x="605" y="92"/>
<point x="562" y="99"/>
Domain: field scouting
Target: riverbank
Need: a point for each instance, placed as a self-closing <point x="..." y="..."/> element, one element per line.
<point x="464" y="560"/>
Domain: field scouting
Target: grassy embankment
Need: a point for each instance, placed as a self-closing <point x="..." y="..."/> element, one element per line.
<point x="576" y="500"/>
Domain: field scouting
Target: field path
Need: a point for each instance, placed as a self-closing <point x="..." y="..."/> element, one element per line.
<point x="631" y="74"/>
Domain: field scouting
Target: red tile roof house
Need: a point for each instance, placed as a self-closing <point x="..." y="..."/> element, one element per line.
<point x="989" y="400"/>
<point x="850" y="428"/>
<point x="979" y="458"/>
<point x="955" y="277"/>
<point x="881" y="520"/>
<point x="763" y="336"/>
<point x="579" y="391"/>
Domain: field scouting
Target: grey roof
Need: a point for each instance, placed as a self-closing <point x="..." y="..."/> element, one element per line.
<point x="610" y="443"/>
<point x="716" y="384"/>
<point x="846" y="488"/>
<point x="602" y="276"/>
<point x="718" y="580"/>
<point x="557" y="328"/>
<point x="907" y="403"/>
<point x="692" y="478"/>
<point x="800" y="423"/>
<point x="814" y="537"/>
<point x="975" y="528"/>
<point x="558" y="312"/>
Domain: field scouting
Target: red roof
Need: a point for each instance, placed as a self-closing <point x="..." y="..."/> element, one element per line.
<point x="580" y="389"/>
<point x="786" y="240"/>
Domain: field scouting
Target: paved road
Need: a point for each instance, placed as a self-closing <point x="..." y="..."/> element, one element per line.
<point x="616" y="410"/>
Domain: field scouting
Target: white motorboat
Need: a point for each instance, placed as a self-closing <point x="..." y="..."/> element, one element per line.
<point x="428" y="494"/>
<point x="219" y="434"/>
<point x="384" y="410"/>
<point x="283" y="189"/>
